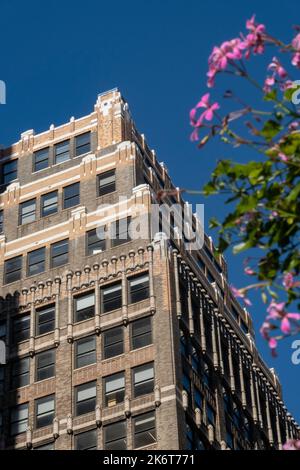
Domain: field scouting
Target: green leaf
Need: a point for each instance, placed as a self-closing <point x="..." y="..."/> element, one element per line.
<point x="271" y="96"/>
<point x="241" y="247"/>
<point x="271" y="129"/>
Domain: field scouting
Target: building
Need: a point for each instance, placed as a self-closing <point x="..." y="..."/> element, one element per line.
<point x="118" y="343"/>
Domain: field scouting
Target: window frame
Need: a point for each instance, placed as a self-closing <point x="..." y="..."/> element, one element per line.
<point x="76" y="196"/>
<point x="117" y="299"/>
<point x="108" y="187"/>
<point x="18" y="258"/>
<point x="23" y="421"/>
<point x="117" y="394"/>
<point x="136" y="385"/>
<point x="19" y="319"/>
<point x="50" y="365"/>
<point x="51" y="413"/>
<point x="99" y="241"/>
<point x="113" y="343"/>
<point x="14" y="171"/>
<point x="134" y="337"/>
<point x="20" y="373"/>
<point x="81" y="434"/>
<point x="89" y="352"/>
<point x="115" y="231"/>
<point x="43" y="197"/>
<point x="92" y="307"/>
<point x="42" y="151"/>
<point x="133" y="293"/>
<point x="147" y="430"/>
<point x="62" y="143"/>
<point x="92" y="399"/>
<point x="64" y="254"/>
<point x="42" y="262"/>
<point x="85" y="144"/>
<point x="109" y="444"/>
<point x="38" y="323"/>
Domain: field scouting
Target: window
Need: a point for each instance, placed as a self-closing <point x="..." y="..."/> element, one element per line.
<point x="244" y="327"/>
<point x="85" y="398"/>
<point x="96" y="241"/>
<point x="143" y="379"/>
<point x="49" y="446"/>
<point x="210" y="276"/>
<point x="210" y="414"/>
<point x="19" y="419"/>
<point x="84" y="306"/>
<point x="86" y="440"/>
<point x="115" y="436"/>
<point x="107" y="182"/>
<point x="111" y="297"/>
<point x="62" y="151"/>
<point x="20" y="373"/>
<point x="114" y="387"/>
<point x="59" y="253"/>
<point x="82" y="143"/>
<point x="85" y="352"/>
<point x="141" y="334"/>
<point x="3" y="331"/>
<point x="2" y="381"/>
<point x="36" y="261"/>
<point x="1" y="221"/>
<point x="113" y="342"/>
<point x="139" y="288"/>
<point x="41" y="159"/>
<point x="9" y="172"/>
<point x="198" y="399"/>
<point x="71" y="195"/>
<point x="44" y="411"/>
<point x="45" y="365"/>
<point x="120" y="231"/>
<point x="21" y="328"/>
<point x="45" y="320"/>
<point x="27" y="212"/>
<point x="144" y="430"/>
<point x="49" y="203"/>
<point x="13" y="269"/>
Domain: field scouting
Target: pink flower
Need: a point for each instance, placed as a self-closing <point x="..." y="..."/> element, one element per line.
<point x="255" y="38"/>
<point x="283" y="157"/>
<point x="286" y="85"/>
<point x="269" y="82"/>
<point x="277" y="68"/>
<point x="296" y="60"/>
<point x="294" y="125"/>
<point x="240" y="293"/>
<point x="273" y="343"/>
<point x="292" y="444"/>
<point x="249" y="271"/>
<point x="288" y="280"/>
<point x="221" y="56"/>
<point x="208" y="114"/>
<point x="296" y="42"/>
<point x="286" y="326"/>
<point x="275" y="310"/>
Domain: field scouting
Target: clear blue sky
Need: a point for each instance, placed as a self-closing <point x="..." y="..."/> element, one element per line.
<point x="57" y="55"/>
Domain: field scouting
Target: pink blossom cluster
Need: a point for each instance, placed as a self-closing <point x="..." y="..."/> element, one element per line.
<point x="207" y="114"/>
<point x="296" y="48"/>
<point x="292" y="444"/>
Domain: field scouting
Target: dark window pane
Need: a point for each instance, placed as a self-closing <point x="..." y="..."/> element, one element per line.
<point x="49" y="446"/>
<point x="49" y="203"/>
<point x="143" y="379"/>
<point x="115" y="436"/>
<point x="19" y="419"/>
<point x="113" y="342"/>
<point x="13" y="269"/>
<point x="144" y="430"/>
<point x="45" y="365"/>
<point x="96" y="241"/>
<point x="85" y="352"/>
<point x="119" y="231"/>
<point x="62" y="151"/>
<point x="71" y="195"/>
<point x="82" y="143"/>
<point x="9" y="171"/>
<point x="139" y="288"/>
<point x="111" y="297"/>
<point x="86" y="440"/>
<point x="84" y="307"/>
<point x="107" y="182"/>
<point x="141" y="334"/>
<point x="36" y="261"/>
<point x="20" y="373"/>
<point x="41" y="159"/>
<point x="114" y="389"/>
<point x="45" y="320"/>
<point x="85" y="398"/>
<point x="21" y="328"/>
<point x="59" y="253"/>
<point x="27" y="212"/>
<point x="44" y="409"/>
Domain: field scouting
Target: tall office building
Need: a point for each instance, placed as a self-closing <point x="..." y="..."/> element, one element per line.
<point x="118" y="342"/>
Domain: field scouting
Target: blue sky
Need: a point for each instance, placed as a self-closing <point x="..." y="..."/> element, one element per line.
<point x="57" y="55"/>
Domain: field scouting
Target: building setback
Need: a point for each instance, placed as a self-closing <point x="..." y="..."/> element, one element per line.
<point x="123" y="343"/>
